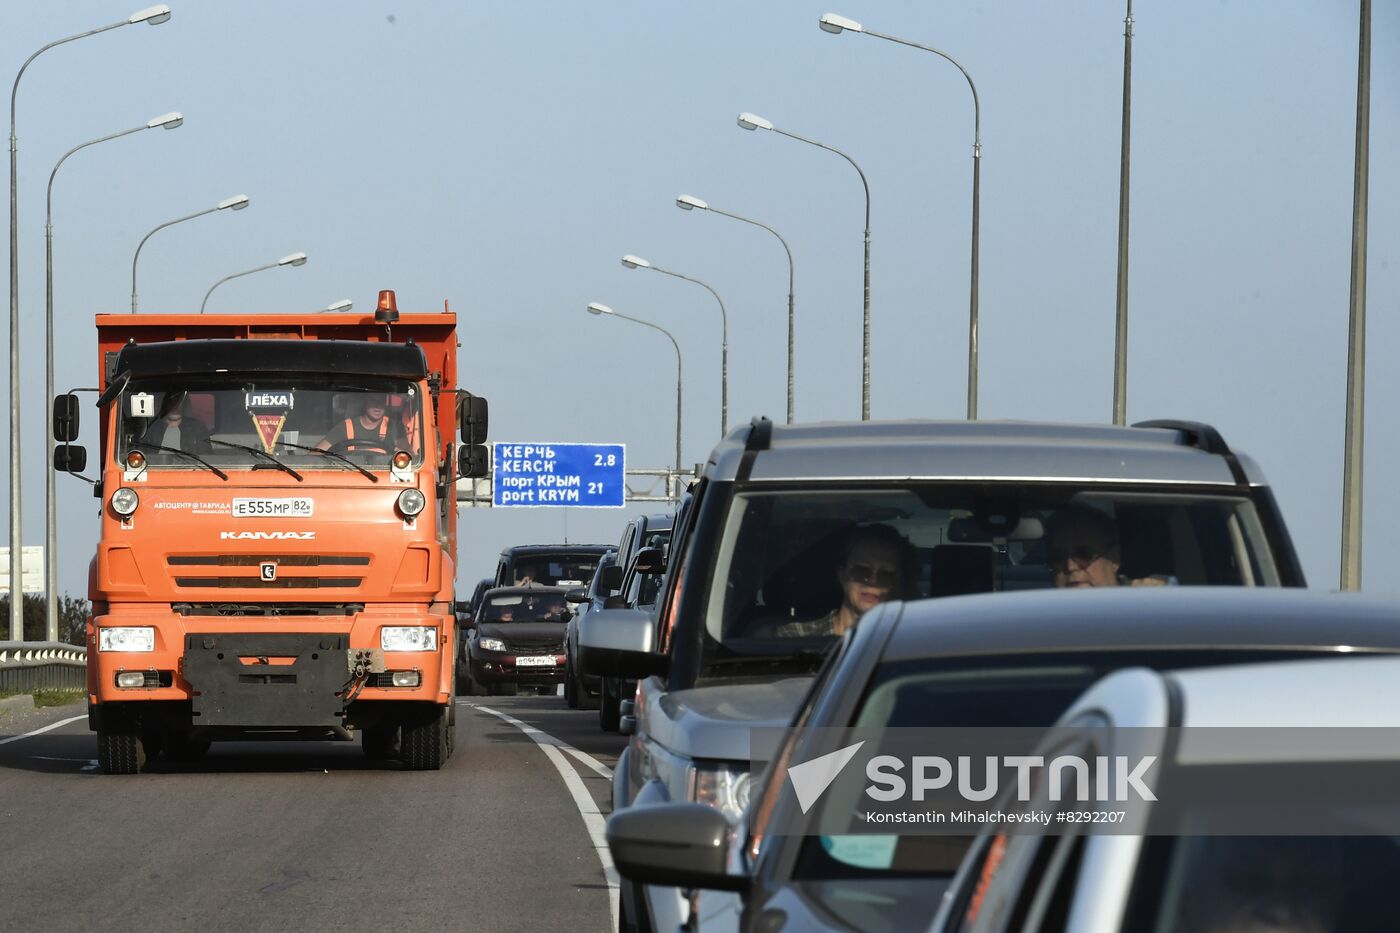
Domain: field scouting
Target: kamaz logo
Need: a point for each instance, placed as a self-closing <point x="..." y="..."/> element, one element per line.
<point x="267" y="536"/>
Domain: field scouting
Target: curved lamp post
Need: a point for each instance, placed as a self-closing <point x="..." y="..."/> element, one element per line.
<point x="595" y="308"/>
<point x="237" y="203"/>
<point x="751" y="121"/>
<point x="637" y="262"/>
<point x="295" y="259"/>
<point x="167" y="121"/>
<point x="154" y="15"/>
<point x="688" y="203"/>
<point x="344" y="304"/>
<point x="834" y="24"/>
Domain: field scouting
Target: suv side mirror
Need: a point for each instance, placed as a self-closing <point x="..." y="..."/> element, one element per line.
<point x="611" y="577"/>
<point x="473" y="460"/>
<point x="651" y="560"/>
<point x="65" y="418"/>
<point x="576" y="595"/>
<point x="616" y="601"/>
<point x="474" y="420"/>
<point x="69" y="458"/>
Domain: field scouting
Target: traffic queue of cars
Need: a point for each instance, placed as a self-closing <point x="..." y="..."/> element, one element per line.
<point x="922" y="532"/>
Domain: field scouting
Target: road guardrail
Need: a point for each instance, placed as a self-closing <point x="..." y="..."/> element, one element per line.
<point x="26" y="666"/>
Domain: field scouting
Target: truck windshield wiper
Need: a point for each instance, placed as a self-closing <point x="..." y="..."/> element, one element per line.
<point x="184" y="453"/>
<point x="261" y="453"/>
<point x="326" y="453"/>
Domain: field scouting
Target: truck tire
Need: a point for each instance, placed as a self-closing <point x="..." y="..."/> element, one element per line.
<point x="119" y="746"/>
<point x="427" y="742"/>
<point x="381" y="742"/>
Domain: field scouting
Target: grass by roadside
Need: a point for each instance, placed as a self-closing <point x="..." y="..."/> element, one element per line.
<point x="57" y="697"/>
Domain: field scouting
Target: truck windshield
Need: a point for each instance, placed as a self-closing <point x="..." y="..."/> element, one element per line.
<point x="796" y="567"/>
<point x="290" y="420"/>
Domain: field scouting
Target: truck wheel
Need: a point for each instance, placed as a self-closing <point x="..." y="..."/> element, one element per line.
<point x="505" y="690"/>
<point x="608" y="713"/>
<point x="119" y="746"/>
<point x="380" y="743"/>
<point x="426" y="740"/>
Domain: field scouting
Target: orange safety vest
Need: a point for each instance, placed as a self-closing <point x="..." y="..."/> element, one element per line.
<point x="350" y="431"/>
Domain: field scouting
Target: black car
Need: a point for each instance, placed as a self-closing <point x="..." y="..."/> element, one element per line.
<point x="518" y="640"/>
<point x="1018" y="660"/>
<point x="466" y="618"/>
<point x="548" y="564"/>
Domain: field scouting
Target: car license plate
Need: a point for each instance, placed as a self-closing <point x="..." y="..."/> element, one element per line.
<point x="539" y="660"/>
<point x="299" y="507"/>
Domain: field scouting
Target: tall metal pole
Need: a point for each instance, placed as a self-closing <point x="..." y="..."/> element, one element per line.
<point x="16" y="525"/>
<point x="137" y="254"/>
<point x="602" y="310"/>
<point x="1120" y="339"/>
<point x="690" y="203"/>
<point x="50" y="493"/>
<point x="865" y="320"/>
<point x="1356" y="343"/>
<point x="837" y="24"/>
<point x="295" y="259"/>
<point x="724" y="347"/>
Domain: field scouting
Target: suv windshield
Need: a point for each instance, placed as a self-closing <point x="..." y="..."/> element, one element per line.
<point x="794" y="568"/>
<point x="553" y="569"/>
<point x="176" y="421"/>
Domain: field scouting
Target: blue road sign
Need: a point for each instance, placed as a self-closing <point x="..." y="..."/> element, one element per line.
<point x="579" y="475"/>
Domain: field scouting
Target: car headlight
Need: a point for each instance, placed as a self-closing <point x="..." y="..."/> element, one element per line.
<point x="126" y="638"/>
<point x="125" y="501"/>
<point x="411" y="502"/>
<point x="491" y="644"/>
<point x="722" y="785"/>
<point x="408" y="638"/>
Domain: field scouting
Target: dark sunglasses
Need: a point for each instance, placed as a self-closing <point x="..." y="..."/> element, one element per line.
<point x="1081" y="554"/>
<point x="870" y="576"/>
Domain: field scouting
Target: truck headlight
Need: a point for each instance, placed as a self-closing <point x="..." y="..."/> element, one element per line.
<point x="125" y="501"/>
<point x="722" y="785"/>
<point x="126" y="638"/>
<point x="411" y="502"/>
<point x="408" y="638"/>
<point x="491" y="644"/>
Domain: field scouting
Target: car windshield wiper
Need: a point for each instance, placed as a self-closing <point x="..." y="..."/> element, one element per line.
<point x="184" y="453"/>
<point x="326" y="453"/>
<point x="261" y="453"/>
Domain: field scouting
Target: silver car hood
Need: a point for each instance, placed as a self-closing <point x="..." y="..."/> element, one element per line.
<point x="716" y="721"/>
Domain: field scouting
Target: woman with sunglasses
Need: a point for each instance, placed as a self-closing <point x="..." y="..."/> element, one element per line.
<point x="876" y="562"/>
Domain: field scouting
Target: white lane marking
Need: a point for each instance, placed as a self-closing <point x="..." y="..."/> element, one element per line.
<point x="594" y="820"/>
<point x="592" y="763"/>
<point x="51" y="726"/>
<point x="89" y="764"/>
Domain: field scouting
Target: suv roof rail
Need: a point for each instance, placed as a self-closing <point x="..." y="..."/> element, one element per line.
<point x="1203" y="437"/>
<point x="760" y="438"/>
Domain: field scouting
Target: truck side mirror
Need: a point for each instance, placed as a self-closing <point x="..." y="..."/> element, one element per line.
<point x="473" y="413"/>
<point x="65" y="418"/>
<point x="69" y="458"/>
<point x="473" y="460"/>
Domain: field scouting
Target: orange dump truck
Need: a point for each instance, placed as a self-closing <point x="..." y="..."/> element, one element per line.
<point x="279" y="530"/>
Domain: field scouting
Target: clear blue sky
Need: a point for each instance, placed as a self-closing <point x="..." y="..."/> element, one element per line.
<point x="504" y="156"/>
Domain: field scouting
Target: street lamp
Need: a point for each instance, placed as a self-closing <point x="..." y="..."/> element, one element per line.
<point x="155" y="16"/>
<point x="834" y="24"/>
<point x="751" y="121"/>
<point x="595" y="308"/>
<point x="237" y="203"/>
<point x="295" y="259"/>
<point x="167" y="121"/>
<point x="344" y="304"/>
<point x="688" y="203"/>
<point x="637" y="262"/>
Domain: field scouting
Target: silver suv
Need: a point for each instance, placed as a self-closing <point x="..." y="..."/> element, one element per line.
<point x="761" y="566"/>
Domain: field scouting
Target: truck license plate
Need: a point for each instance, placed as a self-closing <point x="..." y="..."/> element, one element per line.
<point x="299" y="507"/>
<point x="539" y="660"/>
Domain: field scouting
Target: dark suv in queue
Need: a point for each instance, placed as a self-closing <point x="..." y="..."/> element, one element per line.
<point x="517" y="641"/>
<point x="761" y="567"/>
<point x="548" y="564"/>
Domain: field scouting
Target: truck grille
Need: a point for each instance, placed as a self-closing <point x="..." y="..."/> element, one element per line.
<point x="253" y="560"/>
<point x="281" y="583"/>
<point x="188" y="564"/>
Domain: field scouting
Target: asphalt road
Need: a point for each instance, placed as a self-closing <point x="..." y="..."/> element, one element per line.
<point x="284" y="836"/>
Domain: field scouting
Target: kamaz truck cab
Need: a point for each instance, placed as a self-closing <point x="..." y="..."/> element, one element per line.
<point x="279" y="526"/>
